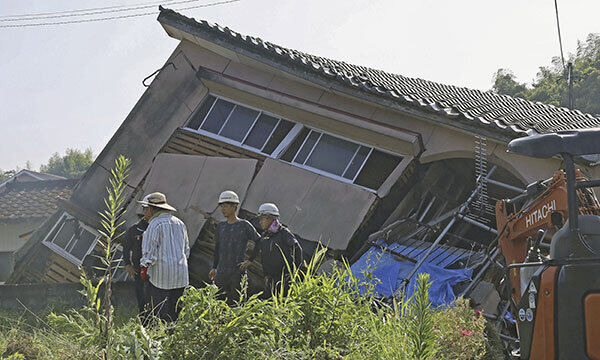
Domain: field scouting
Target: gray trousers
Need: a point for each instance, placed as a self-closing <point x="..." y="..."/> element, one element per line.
<point x="229" y="284"/>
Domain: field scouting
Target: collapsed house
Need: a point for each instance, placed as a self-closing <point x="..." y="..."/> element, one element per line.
<point x="27" y="199"/>
<point x="355" y="158"/>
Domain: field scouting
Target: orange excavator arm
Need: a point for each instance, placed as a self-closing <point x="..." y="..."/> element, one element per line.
<point x="545" y="209"/>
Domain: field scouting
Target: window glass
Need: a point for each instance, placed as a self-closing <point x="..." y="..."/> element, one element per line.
<point x="377" y="169"/>
<point x="82" y="244"/>
<point x="307" y="147"/>
<point x="261" y="131"/>
<point x="332" y="154"/>
<point x="55" y="230"/>
<point x="65" y="234"/>
<point x="119" y="273"/>
<point x="279" y="134"/>
<point x="239" y="123"/>
<point x="357" y="162"/>
<point x="201" y="113"/>
<point x="219" y="113"/>
<point x="291" y="151"/>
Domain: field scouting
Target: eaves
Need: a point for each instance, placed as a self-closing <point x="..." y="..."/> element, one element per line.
<point x="335" y="82"/>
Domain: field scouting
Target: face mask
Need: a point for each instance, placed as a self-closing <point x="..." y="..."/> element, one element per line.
<point x="275" y="225"/>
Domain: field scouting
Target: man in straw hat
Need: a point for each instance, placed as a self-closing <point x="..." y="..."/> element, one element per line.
<point x="165" y="250"/>
<point x="231" y="238"/>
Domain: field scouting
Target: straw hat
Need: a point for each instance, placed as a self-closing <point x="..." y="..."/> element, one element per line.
<point x="158" y="200"/>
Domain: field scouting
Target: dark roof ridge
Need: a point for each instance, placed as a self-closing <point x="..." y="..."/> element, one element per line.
<point x="40" y="184"/>
<point x="512" y="116"/>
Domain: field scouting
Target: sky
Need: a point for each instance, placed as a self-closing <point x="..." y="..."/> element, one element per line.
<point x="71" y="86"/>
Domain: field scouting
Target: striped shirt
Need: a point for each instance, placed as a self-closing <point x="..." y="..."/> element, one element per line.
<point x="165" y="249"/>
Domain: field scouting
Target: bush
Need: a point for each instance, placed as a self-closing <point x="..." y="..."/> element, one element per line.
<point x="319" y="317"/>
<point x="324" y="317"/>
<point x="460" y="332"/>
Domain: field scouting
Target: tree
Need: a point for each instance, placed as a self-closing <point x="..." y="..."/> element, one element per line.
<point x="550" y="85"/>
<point x="505" y="83"/>
<point x="5" y="175"/>
<point x="73" y="164"/>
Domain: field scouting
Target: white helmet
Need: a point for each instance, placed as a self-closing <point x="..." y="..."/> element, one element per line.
<point x="140" y="209"/>
<point x="268" y="209"/>
<point x="144" y="202"/>
<point x="229" y="197"/>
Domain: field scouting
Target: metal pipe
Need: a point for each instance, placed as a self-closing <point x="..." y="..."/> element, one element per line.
<point x="502" y="313"/>
<point x="544" y="245"/>
<point x="427" y="253"/>
<point x="480" y="273"/>
<point x="427" y="209"/>
<point x="506" y="337"/>
<point x="395" y="253"/>
<point x="587" y="184"/>
<point x="478" y="224"/>
<point x="461" y="209"/>
<point x="530" y="264"/>
<point x="416" y="232"/>
<point x="506" y="186"/>
<point x="571" y="193"/>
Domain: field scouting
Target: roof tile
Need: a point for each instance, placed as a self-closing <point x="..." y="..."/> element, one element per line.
<point x="501" y="113"/>
<point x="33" y="200"/>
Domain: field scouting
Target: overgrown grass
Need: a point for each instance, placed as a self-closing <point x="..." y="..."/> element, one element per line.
<point x="319" y="317"/>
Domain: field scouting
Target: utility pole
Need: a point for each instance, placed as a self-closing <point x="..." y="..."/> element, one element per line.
<point x="570" y="83"/>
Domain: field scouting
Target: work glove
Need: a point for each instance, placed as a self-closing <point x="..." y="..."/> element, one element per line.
<point x="144" y="273"/>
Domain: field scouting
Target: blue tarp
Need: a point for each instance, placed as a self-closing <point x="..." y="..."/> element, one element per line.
<point x="387" y="272"/>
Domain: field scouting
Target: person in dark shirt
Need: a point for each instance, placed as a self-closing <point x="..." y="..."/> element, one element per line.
<point x="278" y="247"/>
<point x="132" y="253"/>
<point x="231" y="239"/>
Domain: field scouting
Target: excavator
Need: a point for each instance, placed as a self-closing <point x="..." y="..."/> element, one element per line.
<point x="555" y="297"/>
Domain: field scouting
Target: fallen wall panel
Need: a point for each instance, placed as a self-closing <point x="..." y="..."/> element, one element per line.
<point x="193" y="183"/>
<point x="314" y="206"/>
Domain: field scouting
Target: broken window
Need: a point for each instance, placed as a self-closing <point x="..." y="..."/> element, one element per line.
<point x="312" y="149"/>
<point x="71" y="239"/>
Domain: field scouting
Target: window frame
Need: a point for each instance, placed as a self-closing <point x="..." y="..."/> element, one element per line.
<point x="118" y="265"/>
<point x="287" y="141"/>
<point x="62" y="251"/>
<point x="359" y="145"/>
<point x="234" y="142"/>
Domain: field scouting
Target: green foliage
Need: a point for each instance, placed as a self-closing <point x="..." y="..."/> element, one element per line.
<point x="550" y="85"/>
<point x="93" y="325"/>
<point x="420" y="333"/>
<point x="73" y="164"/>
<point x="460" y="332"/>
<point x="40" y="344"/>
<point x="320" y="316"/>
<point x="111" y="223"/>
<point x="5" y="175"/>
<point x="494" y="348"/>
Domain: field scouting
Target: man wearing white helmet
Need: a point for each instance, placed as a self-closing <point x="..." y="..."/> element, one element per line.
<point x="277" y="246"/>
<point x="231" y="239"/>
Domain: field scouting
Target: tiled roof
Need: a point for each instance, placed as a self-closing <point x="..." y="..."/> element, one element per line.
<point x="30" y="175"/>
<point x="34" y="199"/>
<point x="502" y="114"/>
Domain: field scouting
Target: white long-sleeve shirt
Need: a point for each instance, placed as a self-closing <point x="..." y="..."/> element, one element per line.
<point x="165" y="250"/>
